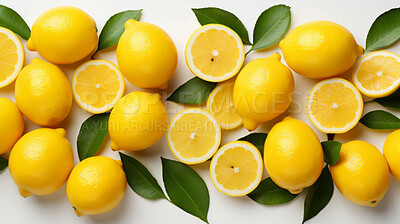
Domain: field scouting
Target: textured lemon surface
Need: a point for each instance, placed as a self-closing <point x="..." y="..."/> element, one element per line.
<point x="11" y="124"/>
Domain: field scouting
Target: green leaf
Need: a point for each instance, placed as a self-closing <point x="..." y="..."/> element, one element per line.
<point x="391" y="101"/>
<point x="331" y="151"/>
<point x="11" y="20"/>
<point x="257" y="139"/>
<point x="185" y="188"/>
<point x="3" y="163"/>
<point x="319" y="195"/>
<point x="140" y="179"/>
<point x="379" y="119"/>
<point x="270" y="27"/>
<point x="268" y="193"/>
<point x="219" y="16"/>
<point x="194" y="91"/>
<point x="92" y="134"/>
<point x="115" y="26"/>
<point x="384" y="31"/>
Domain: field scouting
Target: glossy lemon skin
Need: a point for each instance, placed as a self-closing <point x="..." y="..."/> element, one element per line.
<point x="146" y="55"/>
<point x="391" y="152"/>
<point x="96" y="185"/>
<point x="320" y="49"/>
<point x="137" y="121"/>
<point x="293" y="155"/>
<point x="41" y="161"/>
<point x="361" y="174"/>
<point x="11" y="124"/>
<point x="63" y="35"/>
<point x="43" y="93"/>
<point x="263" y="90"/>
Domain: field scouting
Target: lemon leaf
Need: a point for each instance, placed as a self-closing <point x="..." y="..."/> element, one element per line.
<point x="3" y="163"/>
<point x="268" y="193"/>
<point x="194" y="91"/>
<point x="92" y="134"/>
<point x="11" y="20"/>
<point x="115" y="27"/>
<point x="391" y="101"/>
<point x="257" y="139"/>
<point x="331" y="151"/>
<point x="185" y="188"/>
<point x="379" y="119"/>
<point x="319" y="195"/>
<point x="384" y="31"/>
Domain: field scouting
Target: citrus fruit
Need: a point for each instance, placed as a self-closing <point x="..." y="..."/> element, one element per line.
<point x="12" y="56"/>
<point x="377" y="74"/>
<point x="146" y="55"/>
<point x="41" y="161"/>
<point x="97" y="85"/>
<point x="214" y="53"/>
<point x="193" y="136"/>
<point x="293" y="155"/>
<point x="391" y="152"/>
<point x="320" y="49"/>
<point x="236" y="169"/>
<point x="334" y="105"/>
<point x="11" y="124"/>
<point x="361" y="174"/>
<point x="138" y="121"/>
<point x="263" y="90"/>
<point x="96" y="185"/>
<point x="43" y="93"/>
<point x="220" y="105"/>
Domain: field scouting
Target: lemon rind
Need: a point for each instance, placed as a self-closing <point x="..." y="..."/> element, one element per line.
<point x="21" y="56"/>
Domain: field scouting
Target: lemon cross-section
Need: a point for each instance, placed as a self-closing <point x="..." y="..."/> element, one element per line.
<point x="12" y="56"/>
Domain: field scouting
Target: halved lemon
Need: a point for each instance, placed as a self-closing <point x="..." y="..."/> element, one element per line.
<point x="334" y="105"/>
<point x="193" y="136"/>
<point x="236" y="169"/>
<point x="214" y="53"/>
<point x="220" y="105"/>
<point x="97" y="86"/>
<point x="377" y="74"/>
<point x="12" y="56"/>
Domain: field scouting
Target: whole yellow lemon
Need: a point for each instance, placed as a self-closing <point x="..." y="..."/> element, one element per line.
<point x="63" y="35"/>
<point x="11" y="124"/>
<point x="43" y="93"/>
<point x="96" y="185"/>
<point x="320" y="49"/>
<point x="293" y="155"/>
<point x="391" y="152"/>
<point x="137" y="121"/>
<point x="146" y="55"/>
<point x="361" y="174"/>
<point x="41" y="161"/>
<point x="263" y="90"/>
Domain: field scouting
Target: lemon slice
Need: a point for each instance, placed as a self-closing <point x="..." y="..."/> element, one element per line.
<point x="12" y="56"/>
<point x="193" y="136"/>
<point x="220" y="105"/>
<point x="236" y="169"/>
<point x="377" y="74"/>
<point x="214" y="53"/>
<point x="97" y="86"/>
<point x="334" y="105"/>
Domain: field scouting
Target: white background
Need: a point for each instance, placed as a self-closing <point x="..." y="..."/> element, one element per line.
<point x="176" y="18"/>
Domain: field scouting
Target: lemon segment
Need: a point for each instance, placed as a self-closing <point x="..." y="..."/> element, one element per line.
<point x="334" y="105"/>
<point x="97" y="86"/>
<point x="236" y="169"/>
<point x="193" y="136"/>
<point x="377" y="74"/>
<point x="214" y="53"/>
<point x="220" y="105"/>
<point x="12" y="56"/>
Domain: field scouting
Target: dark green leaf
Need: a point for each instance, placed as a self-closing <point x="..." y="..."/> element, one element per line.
<point x="270" y="27"/>
<point x="379" y="119"/>
<point x="185" y="188"/>
<point x="384" y="31"/>
<point x="257" y="139"/>
<point x="115" y="26"/>
<point x="219" y="16"/>
<point x="140" y="179"/>
<point x="391" y="101"/>
<point x="268" y="193"/>
<point x="3" y="163"/>
<point x="194" y="91"/>
<point x="331" y="151"/>
<point x="92" y="134"/>
<point x="11" y="20"/>
<point x="319" y="195"/>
